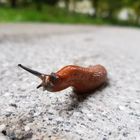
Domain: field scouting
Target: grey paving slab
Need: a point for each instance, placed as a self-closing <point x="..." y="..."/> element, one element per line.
<point x="110" y="113"/>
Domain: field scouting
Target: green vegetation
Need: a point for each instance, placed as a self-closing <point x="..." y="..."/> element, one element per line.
<point x="105" y="12"/>
<point x="47" y="14"/>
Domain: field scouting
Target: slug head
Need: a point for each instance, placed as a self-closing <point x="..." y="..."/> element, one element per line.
<point x="48" y="81"/>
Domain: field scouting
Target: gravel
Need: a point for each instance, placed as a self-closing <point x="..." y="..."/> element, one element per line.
<point x="110" y="113"/>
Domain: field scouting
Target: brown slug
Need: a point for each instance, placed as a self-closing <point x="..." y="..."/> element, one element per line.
<point x="82" y="79"/>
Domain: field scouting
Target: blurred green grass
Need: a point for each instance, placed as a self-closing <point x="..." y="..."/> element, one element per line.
<point x="47" y="14"/>
<point x="53" y="15"/>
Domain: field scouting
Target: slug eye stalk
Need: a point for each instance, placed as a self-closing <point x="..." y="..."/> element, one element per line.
<point x="36" y="73"/>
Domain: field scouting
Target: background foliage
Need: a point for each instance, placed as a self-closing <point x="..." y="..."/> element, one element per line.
<point x="105" y="11"/>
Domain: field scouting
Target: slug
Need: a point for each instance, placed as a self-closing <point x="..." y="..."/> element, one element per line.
<point x="82" y="79"/>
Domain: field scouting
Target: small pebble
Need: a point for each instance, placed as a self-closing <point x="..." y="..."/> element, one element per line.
<point x="26" y="128"/>
<point x="28" y="136"/>
<point x="121" y="108"/>
<point x="4" y="132"/>
<point x="125" y="134"/>
<point x="13" y="105"/>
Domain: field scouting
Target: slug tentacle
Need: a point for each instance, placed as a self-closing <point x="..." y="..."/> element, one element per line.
<point x="36" y="73"/>
<point x="39" y="86"/>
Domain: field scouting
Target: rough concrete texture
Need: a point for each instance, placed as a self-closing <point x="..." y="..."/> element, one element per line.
<point x="110" y="113"/>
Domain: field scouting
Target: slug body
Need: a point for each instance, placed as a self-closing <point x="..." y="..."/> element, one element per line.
<point x="80" y="78"/>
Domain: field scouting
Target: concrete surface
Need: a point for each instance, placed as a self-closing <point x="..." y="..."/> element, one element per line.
<point x="110" y="113"/>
